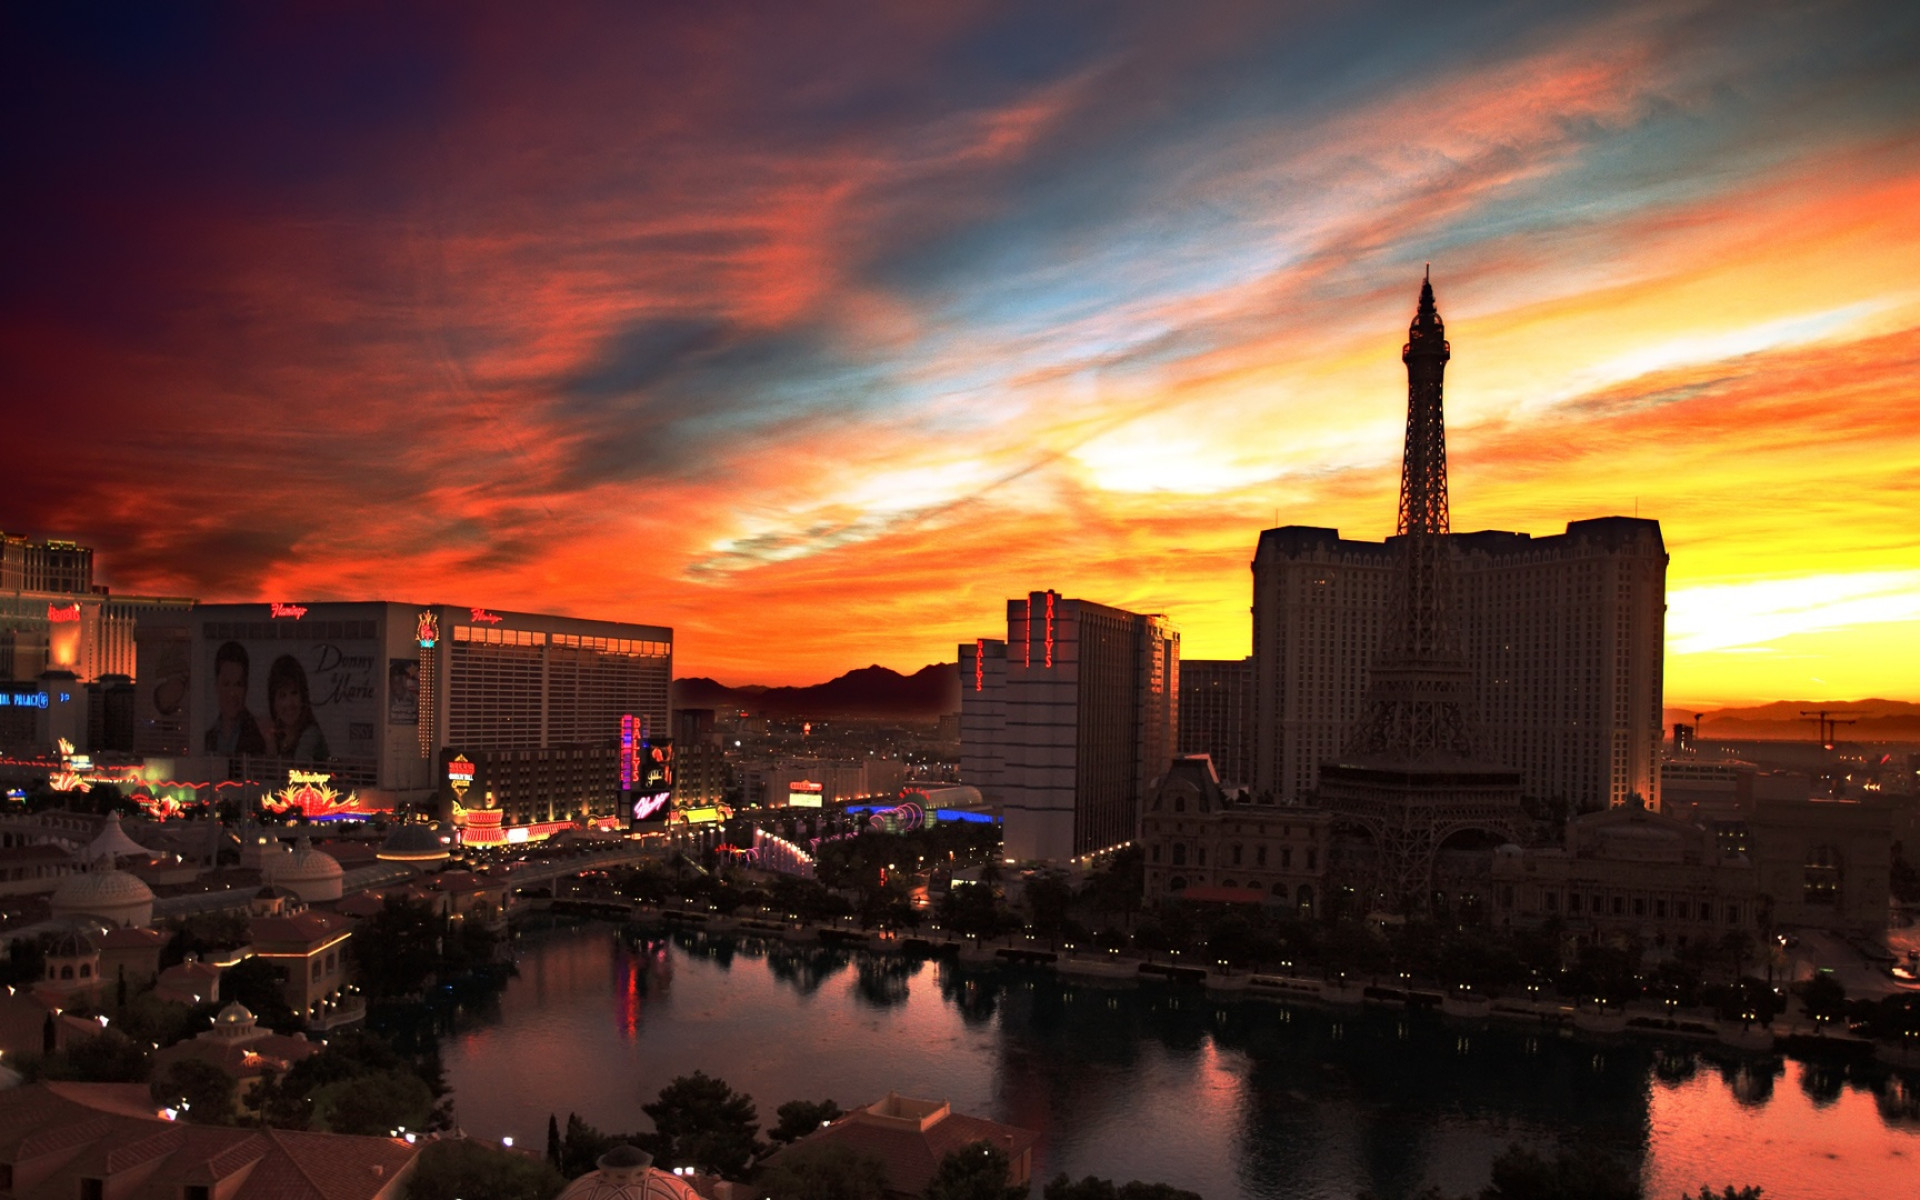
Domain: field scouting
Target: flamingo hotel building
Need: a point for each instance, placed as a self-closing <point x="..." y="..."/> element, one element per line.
<point x="452" y="709"/>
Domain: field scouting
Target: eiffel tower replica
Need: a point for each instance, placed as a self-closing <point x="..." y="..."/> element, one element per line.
<point x="1410" y="776"/>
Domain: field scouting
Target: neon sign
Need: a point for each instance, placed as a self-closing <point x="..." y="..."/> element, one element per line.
<point x="979" y="664"/>
<point x="299" y="776"/>
<point x="1049" y="629"/>
<point x="460" y="774"/>
<point x="296" y="611"/>
<point x="626" y="752"/>
<point x="427" y="629"/>
<point x="23" y="699"/>
<point x="647" y="807"/>
<point x="316" y="801"/>
<point x="63" y="614"/>
<point x="1026" y="636"/>
<point x="482" y="617"/>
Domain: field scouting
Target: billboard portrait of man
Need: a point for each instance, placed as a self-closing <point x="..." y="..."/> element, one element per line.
<point x="234" y="730"/>
<point x="403" y="691"/>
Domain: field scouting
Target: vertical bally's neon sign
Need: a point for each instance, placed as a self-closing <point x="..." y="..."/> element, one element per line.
<point x="979" y="664"/>
<point x="1049" y="630"/>
<point x="1026" y="636"/>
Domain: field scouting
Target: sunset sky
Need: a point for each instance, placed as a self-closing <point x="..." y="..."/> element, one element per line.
<point x="817" y="331"/>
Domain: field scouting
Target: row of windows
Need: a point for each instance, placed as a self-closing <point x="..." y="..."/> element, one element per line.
<point x="1178" y="856"/>
<point x="496" y="636"/>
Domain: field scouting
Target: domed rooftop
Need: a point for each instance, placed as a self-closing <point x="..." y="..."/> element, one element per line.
<point x="627" y="1173"/>
<point x="112" y="895"/>
<point x="72" y="944"/>
<point x="307" y="863"/>
<point x="235" y="1014"/>
<point x="414" y="843"/>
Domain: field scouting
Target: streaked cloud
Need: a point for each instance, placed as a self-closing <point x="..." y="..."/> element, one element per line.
<point x="816" y="337"/>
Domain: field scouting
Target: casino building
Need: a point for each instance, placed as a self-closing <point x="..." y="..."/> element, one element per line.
<point x="359" y="705"/>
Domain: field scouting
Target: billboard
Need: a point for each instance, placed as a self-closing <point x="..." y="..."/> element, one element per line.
<point x="804" y="793"/>
<point x="301" y="698"/>
<point x="652" y="794"/>
<point x="403" y="691"/>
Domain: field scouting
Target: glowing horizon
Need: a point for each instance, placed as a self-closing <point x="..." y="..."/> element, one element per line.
<point x="815" y="339"/>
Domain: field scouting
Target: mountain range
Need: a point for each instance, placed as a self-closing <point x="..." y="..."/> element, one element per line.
<point x="1781" y="721"/>
<point x="874" y="691"/>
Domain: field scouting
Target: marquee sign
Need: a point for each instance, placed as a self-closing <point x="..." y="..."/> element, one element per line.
<point x="312" y="793"/>
<point x="427" y="629"/>
<point x="63" y="614"/>
<point x="460" y="775"/>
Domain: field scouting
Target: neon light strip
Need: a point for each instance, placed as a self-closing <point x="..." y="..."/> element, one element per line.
<point x="1026" y="636"/>
<point x="979" y="664"/>
<point x="1049" y="629"/>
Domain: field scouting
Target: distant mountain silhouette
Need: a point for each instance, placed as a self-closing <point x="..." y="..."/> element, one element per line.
<point x="872" y="691"/>
<point x="1874" y="721"/>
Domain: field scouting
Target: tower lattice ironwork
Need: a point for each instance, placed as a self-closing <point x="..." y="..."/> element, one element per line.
<point x="1420" y="703"/>
<point x="1409" y="779"/>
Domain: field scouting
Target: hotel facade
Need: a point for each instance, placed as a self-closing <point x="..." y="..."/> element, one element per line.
<point x="1067" y="722"/>
<point x="404" y="704"/>
<point x="1565" y="635"/>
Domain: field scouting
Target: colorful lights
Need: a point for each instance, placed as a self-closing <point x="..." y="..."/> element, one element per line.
<point x="1026" y="636"/>
<point x="626" y="752"/>
<point x="979" y="664"/>
<point x="63" y="614"/>
<point x="312" y="793"/>
<point x="284" y="611"/>
<point x="460" y="771"/>
<point x="482" y="617"/>
<point x="427" y="629"/>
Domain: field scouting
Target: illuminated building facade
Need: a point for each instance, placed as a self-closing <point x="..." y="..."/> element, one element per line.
<point x="385" y="698"/>
<point x="1216" y="714"/>
<point x="1079" y="709"/>
<point x="59" y="631"/>
<point x="1206" y="842"/>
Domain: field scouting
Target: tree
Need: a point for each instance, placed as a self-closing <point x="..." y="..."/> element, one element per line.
<point x="199" y="1089"/>
<point x="464" y="1169"/>
<point x="973" y="1172"/>
<point x="1823" y="997"/>
<point x="798" y="1118"/>
<point x="1520" y="1174"/>
<point x="1048" y="898"/>
<point x="374" y="1104"/>
<point x="553" y="1142"/>
<point x="260" y="986"/>
<point x="1091" y="1188"/>
<point x="825" y="1173"/>
<point x="397" y="949"/>
<point x="108" y="1057"/>
<point x="700" y="1122"/>
<point x="1731" y="1193"/>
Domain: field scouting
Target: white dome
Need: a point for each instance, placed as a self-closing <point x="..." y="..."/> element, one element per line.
<point x="110" y="895"/>
<point x="626" y="1173"/>
<point x="313" y="874"/>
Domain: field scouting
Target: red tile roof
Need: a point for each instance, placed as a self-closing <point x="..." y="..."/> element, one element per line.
<point x="911" y="1150"/>
<point x="55" y="1135"/>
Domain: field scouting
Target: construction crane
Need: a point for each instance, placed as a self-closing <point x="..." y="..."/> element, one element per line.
<point x="1828" y="719"/>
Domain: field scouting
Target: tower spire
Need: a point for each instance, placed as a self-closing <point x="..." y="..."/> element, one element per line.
<point x="1420" y="698"/>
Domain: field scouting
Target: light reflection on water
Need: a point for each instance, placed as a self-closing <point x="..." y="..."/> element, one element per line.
<point x="1231" y="1099"/>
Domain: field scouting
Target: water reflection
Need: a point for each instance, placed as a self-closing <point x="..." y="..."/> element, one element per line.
<point x="1231" y="1098"/>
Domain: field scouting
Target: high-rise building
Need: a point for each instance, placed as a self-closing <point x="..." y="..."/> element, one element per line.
<point x="1216" y="715"/>
<point x="384" y="697"/>
<point x="1563" y="637"/>
<point x="1412" y="775"/>
<point x="1067" y="723"/>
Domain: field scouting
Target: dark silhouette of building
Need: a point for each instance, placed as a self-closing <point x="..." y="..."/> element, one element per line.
<point x="1412" y="775"/>
<point x="1216" y="714"/>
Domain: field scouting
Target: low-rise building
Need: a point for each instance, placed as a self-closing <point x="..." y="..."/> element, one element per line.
<point x="1203" y="841"/>
<point x="59" y="1141"/>
<point x="910" y="1138"/>
<point x="243" y="1051"/>
<point x="311" y="948"/>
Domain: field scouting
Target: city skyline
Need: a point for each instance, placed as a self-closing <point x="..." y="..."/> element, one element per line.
<point x="815" y="341"/>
